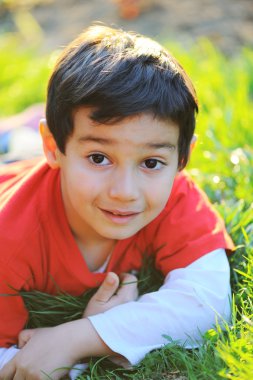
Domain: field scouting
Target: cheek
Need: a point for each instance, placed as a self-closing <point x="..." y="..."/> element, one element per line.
<point x="160" y="194"/>
<point x="83" y="184"/>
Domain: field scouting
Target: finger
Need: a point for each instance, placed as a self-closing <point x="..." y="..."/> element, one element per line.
<point x="128" y="279"/>
<point x="107" y="288"/>
<point x="37" y="374"/>
<point x="128" y="290"/>
<point x="25" y="336"/>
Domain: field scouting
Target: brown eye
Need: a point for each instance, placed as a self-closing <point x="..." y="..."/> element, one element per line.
<point x="98" y="159"/>
<point x="151" y="163"/>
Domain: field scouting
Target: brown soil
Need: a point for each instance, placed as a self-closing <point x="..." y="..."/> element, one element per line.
<point x="227" y="23"/>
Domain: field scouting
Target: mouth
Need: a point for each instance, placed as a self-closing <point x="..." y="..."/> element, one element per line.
<point x="120" y="216"/>
<point x="121" y="213"/>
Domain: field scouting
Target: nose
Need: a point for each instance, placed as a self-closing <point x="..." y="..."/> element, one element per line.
<point x="124" y="185"/>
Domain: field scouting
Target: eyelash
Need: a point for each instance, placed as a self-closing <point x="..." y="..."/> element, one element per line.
<point x="102" y="156"/>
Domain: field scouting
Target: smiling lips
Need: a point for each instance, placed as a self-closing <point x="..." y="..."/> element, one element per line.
<point x="120" y="217"/>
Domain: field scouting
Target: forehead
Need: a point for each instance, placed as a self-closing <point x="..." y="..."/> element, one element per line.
<point x="136" y="129"/>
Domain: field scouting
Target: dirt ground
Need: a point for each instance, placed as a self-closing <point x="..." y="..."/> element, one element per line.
<point x="228" y="23"/>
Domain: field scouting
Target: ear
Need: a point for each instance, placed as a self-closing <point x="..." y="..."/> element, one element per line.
<point x="49" y="145"/>
<point x="193" y="143"/>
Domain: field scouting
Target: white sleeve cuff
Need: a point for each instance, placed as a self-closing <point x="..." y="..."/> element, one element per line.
<point x="6" y="354"/>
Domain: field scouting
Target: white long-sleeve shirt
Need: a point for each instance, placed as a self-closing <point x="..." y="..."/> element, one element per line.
<point x="187" y="305"/>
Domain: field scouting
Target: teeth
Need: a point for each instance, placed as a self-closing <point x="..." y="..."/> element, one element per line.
<point x="115" y="213"/>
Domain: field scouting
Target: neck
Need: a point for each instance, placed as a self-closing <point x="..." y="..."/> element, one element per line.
<point x="94" y="253"/>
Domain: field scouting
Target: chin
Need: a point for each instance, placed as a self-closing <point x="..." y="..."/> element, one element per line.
<point x="121" y="235"/>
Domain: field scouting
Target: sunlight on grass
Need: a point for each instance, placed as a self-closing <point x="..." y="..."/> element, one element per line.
<point x="222" y="164"/>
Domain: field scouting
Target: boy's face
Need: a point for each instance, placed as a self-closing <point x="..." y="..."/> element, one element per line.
<point x="116" y="178"/>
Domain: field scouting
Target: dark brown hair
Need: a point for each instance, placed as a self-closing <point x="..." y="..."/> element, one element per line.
<point x="120" y="74"/>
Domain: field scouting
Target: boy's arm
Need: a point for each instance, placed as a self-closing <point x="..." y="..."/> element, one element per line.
<point x="51" y="351"/>
<point x="110" y="294"/>
<point x="185" y="307"/>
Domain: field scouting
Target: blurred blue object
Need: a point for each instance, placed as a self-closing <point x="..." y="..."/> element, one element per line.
<point x="4" y="141"/>
<point x="19" y="136"/>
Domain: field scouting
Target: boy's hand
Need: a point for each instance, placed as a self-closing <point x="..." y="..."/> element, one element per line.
<point x="113" y="291"/>
<point x="51" y="352"/>
<point x="52" y="348"/>
<point x="49" y="349"/>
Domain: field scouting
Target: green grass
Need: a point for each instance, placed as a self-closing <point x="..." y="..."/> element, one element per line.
<point x="23" y="76"/>
<point x="222" y="164"/>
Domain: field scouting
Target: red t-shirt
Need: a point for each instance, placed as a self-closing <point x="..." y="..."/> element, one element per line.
<point x="38" y="250"/>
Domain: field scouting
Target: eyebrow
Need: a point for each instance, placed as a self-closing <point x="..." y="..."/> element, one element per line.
<point x="108" y="141"/>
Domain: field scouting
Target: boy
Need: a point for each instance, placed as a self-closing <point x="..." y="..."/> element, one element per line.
<point x="120" y="119"/>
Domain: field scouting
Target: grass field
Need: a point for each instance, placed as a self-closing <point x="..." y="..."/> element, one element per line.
<point x="222" y="164"/>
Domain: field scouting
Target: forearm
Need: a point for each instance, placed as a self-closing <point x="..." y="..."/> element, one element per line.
<point x="80" y="336"/>
<point x="86" y="340"/>
<point x="53" y="350"/>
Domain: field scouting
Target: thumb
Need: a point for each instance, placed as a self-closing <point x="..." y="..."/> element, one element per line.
<point x="24" y="337"/>
<point x="128" y="290"/>
<point x="108" y="288"/>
